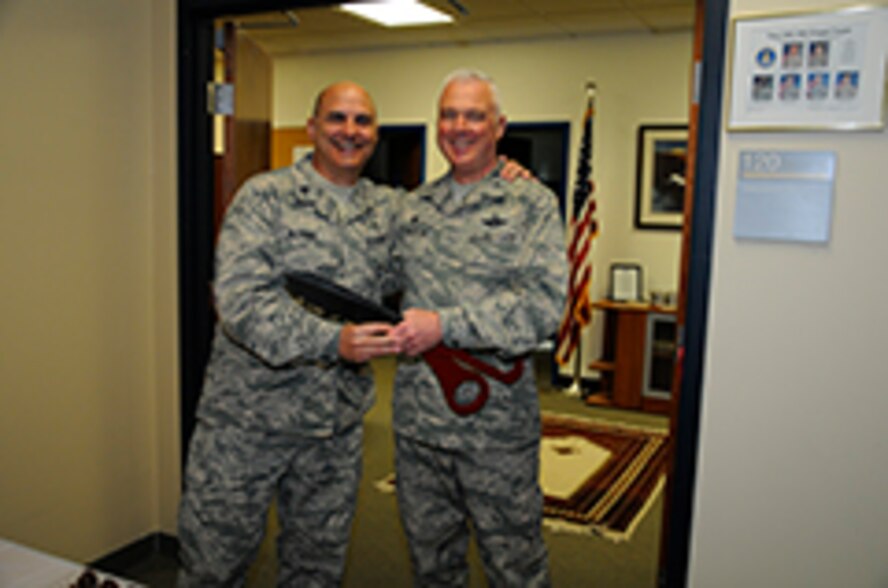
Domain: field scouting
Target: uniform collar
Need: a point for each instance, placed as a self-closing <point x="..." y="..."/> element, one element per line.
<point x="330" y="200"/>
<point x="442" y="193"/>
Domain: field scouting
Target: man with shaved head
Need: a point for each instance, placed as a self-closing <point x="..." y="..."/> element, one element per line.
<point x="286" y="388"/>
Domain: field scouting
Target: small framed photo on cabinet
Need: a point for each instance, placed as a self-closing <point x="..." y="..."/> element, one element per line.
<point x="625" y="282"/>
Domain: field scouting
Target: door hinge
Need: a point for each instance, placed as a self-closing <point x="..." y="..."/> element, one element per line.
<point x="220" y="98"/>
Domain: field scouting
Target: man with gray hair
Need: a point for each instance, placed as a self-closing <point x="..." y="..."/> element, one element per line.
<point x="486" y="272"/>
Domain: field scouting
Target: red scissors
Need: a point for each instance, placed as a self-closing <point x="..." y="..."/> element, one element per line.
<point x="456" y="367"/>
<point x="453" y="367"/>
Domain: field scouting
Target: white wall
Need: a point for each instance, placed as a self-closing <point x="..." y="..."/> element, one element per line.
<point x="88" y="374"/>
<point x="641" y="79"/>
<point x="792" y="481"/>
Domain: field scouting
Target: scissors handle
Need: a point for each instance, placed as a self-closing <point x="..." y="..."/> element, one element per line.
<point x="450" y="368"/>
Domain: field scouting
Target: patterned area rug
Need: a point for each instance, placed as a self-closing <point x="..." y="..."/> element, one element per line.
<point x="598" y="477"/>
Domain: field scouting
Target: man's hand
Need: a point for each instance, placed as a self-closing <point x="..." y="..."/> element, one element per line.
<point x="418" y="332"/>
<point x="512" y="170"/>
<point x="359" y="343"/>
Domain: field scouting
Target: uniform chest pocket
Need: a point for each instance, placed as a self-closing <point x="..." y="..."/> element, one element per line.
<point x="498" y="232"/>
<point x="414" y="232"/>
<point x="310" y="246"/>
<point x="496" y="247"/>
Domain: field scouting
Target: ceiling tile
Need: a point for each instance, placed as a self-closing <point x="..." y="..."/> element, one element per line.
<point x="610" y="21"/>
<point x="571" y="6"/>
<point x="325" y="29"/>
<point x="480" y="8"/>
<point x="667" y="18"/>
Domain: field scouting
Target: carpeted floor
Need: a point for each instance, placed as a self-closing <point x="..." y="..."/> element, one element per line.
<point x="598" y="477"/>
<point x="378" y="552"/>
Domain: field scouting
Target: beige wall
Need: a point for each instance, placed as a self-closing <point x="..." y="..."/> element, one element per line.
<point x="88" y="374"/>
<point x="642" y="79"/>
<point x="791" y="482"/>
<point x="792" y="479"/>
<point x="164" y="284"/>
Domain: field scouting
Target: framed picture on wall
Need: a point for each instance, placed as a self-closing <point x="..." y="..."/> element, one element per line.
<point x="662" y="153"/>
<point x="808" y="71"/>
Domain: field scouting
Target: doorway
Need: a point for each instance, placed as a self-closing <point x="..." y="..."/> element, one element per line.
<point x="196" y="236"/>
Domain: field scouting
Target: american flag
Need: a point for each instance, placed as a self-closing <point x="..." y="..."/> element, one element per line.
<point x="583" y="230"/>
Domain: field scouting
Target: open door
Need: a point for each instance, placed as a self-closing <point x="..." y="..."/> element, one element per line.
<point x="242" y="140"/>
<point x="692" y="299"/>
<point x="241" y="143"/>
<point x="682" y="295"/>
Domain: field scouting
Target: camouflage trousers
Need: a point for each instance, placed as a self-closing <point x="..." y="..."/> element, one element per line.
<point x="231" y="478"/>
<point x="440" y="491"/>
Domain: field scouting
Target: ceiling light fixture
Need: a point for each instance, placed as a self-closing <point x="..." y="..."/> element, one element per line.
<point x="397" y="13"/>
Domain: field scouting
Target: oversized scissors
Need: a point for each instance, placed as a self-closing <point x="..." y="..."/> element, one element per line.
<point x="455" y="369"/>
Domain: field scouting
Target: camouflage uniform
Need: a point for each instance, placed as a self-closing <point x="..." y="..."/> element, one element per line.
<point x="492" y="264"/>
<point x="280" y="413"/>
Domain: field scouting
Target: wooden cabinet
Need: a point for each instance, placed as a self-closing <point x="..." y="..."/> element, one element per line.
<point x="632" y="354"/>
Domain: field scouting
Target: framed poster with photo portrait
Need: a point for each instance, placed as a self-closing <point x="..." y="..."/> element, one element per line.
<point x="662" y="153"/>
<point x="808" y="71"/>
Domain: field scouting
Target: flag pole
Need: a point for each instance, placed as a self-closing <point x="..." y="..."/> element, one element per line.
<point x="582" y="192"/>
<point x="576" y="385"/>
